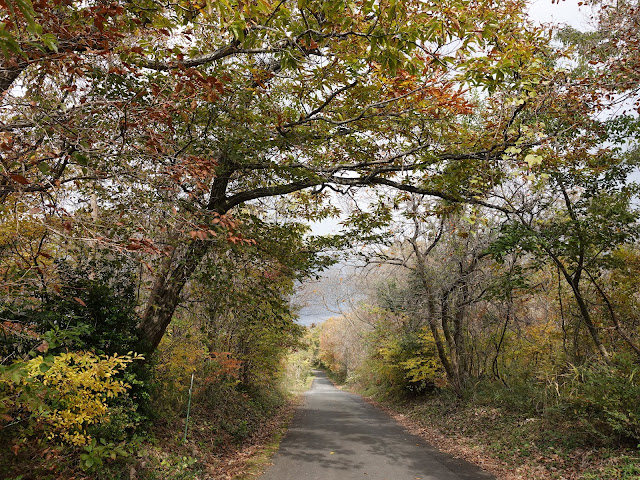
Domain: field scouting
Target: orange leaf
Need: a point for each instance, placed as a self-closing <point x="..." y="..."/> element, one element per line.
<point x="79" y="300"/>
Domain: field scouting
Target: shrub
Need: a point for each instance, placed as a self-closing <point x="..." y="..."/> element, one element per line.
<point x="91" y="308"/>
<point x="604" y="398"/>
<point x="58" y="397"/>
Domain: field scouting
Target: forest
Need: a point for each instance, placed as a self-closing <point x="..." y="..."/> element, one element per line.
<point x="161" y="164"/>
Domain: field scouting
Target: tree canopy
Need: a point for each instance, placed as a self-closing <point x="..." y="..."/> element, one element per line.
<point x="159" y="163"/>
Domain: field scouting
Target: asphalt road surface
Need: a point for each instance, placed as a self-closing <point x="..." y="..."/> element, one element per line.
<point x="336" y="435"/>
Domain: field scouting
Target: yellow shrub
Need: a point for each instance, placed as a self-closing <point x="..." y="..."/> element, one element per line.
<point x="424" y="364"/>
<point x="61" y="395"/>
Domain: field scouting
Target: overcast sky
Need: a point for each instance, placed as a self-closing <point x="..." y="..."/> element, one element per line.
<point x="561" y="12"/>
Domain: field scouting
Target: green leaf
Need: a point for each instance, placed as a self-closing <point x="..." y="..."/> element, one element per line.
<point x="50" y="41"/>
<point x="237" y="29"/>
<point x="26" y="8"/>
<point x="81" y="158"/>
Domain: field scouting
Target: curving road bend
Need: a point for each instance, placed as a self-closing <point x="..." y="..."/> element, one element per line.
<point x="336" y="435"/>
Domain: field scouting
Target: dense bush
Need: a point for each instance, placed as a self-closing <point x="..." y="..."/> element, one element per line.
<point x="228" y="395"/>
<point x="51" y="403"/>
<point x="604" y="398"/>
<point x="89" y="306"/>
<point x="69" y="385"/>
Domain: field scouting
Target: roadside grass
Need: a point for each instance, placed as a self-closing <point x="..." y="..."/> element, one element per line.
<point x="298" y="386"/>
<point x="261" y="458"/>
<point x="210" y="452"/>
<point x="258" y="462"/>
<point x="206" y="454"/>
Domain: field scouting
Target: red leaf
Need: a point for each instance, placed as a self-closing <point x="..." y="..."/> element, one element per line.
<point x="79" y="300"/>
<point x="43" y="347"/>
<point x="19" y="178"/>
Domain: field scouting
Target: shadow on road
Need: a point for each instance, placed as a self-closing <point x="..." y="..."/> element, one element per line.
<point x="336" y="435"/>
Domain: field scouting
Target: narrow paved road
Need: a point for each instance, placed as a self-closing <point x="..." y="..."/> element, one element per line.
<point x="336" y="435"/>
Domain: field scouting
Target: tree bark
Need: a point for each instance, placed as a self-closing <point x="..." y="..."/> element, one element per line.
<point x="586" y="316"/>
<point x="442" y="354"/>
<point x="165" y="297"/>
<point x="454" y="369"/>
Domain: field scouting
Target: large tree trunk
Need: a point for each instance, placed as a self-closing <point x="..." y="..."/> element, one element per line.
<point x="176" y="270"/>
<point x="165" y="297"/>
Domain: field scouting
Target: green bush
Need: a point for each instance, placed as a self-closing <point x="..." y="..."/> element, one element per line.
<point x="604" y="398"/>
<point x="92" y="308"/>
<point x="90" y="316"/>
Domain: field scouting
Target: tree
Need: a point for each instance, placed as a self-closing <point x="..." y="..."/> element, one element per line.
<point x="146" y="108"/>
<point x="579" y="219"/>
<point x="444" y="250"/>
<point x="571" y="202"/>
<point x="607" y="56"/>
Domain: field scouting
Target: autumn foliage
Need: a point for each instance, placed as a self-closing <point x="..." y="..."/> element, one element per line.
<point x="159" y="164"/>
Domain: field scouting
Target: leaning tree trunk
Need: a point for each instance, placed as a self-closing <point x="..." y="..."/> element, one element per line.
<point x="586" y="316"/>
<point x="9" y="73"/>
<point x="574" y="283"/>
<point x="176" y="270"/>
<point x="164" y="298"/>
